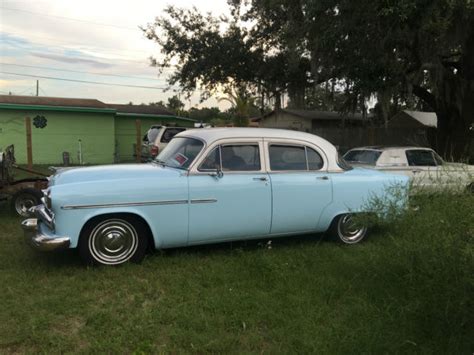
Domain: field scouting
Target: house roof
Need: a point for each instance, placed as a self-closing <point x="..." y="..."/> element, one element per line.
<point x="51" y="101"/>
<point x="141" y="109"/>
<point x="318" y="115"/>
<point x="46" y="103"/>
<point x="428" y="119"/>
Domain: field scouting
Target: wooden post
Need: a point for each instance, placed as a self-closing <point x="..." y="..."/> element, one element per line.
<point x="138" y="145"/>
<point x="29" y="150"/>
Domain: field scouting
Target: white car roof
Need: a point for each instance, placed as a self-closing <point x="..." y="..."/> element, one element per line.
<point x="383" y="149"/>
<point x="210" y="135"/>
<point x="213" y="134"/>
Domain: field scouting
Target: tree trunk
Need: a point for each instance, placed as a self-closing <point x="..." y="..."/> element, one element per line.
<point x="277" y="97"/>
<point x="296" y="96"/>
<point x="455" y="108"/>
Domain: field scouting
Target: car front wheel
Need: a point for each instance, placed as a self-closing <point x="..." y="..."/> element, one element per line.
<point x="23" y="200"/>
<point x="113" y="241"/>
<point x="347" y="230"/>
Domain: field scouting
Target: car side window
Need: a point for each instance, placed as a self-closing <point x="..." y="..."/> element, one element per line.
<point x="212" y="161"/>
<point x="315" y="161"/>
<point x="419" y="157"/>
<point x="283" y="157"/>
<point x="239" y="157"/>
<point x="169" y="133"/>
<point x="296" y="158"/>
<point x="242" y="157"/>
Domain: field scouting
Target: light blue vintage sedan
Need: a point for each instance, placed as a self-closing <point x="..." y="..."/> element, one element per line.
<point x="206" y="186"/>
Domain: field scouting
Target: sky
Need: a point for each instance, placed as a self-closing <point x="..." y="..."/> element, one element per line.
<point x="87" y="40"/>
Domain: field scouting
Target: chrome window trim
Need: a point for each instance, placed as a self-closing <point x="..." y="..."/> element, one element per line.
<point x="194" y="170"/>
<point x="306" y="157"/>
<point x="198" y="156"/>
<point x="298" y="143"/>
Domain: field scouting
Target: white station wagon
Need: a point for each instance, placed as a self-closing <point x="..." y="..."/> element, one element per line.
<point x="207" y="186"/>
<point x="423" y="166"/>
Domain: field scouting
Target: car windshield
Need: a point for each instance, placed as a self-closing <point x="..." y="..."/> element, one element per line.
<point x="368" y="157"/>
<point x="180" y="152"/>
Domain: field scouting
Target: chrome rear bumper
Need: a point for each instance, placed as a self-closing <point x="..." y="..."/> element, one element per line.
<point x="41" y="241"/>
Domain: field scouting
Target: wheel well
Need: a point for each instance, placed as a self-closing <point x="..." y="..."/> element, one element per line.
<point x="128" y="216"/>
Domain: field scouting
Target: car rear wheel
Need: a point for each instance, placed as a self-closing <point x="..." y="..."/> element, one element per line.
<point x="346" y="230"/>
<point x="23" y="200"/>
<point x="113" y="241"/>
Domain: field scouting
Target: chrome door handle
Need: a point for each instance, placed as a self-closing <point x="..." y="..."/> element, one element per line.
<point x="322" y="178"/>
<point x="262" y="178"/>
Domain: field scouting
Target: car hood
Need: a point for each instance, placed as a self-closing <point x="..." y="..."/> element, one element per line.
<point x="111" y="173"/>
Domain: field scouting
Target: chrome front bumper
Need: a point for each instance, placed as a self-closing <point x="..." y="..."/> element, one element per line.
<point x="40" y="240"/>
<point x="44" y="215"/>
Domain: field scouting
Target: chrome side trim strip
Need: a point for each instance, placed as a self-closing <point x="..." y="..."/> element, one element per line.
<point x="124" y="204"/>
<point x="204" y="200"/>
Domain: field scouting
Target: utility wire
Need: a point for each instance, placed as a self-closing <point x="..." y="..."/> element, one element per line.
<point x="85" y="81"/>
<point x="69" y="43"/>
<point x="29" y="50"/>
<point x="77" y="71"/>
<point x="71" y="19"/>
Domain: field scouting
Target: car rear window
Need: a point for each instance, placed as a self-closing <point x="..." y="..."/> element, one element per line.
<point x="170" y="133"/>
<point x="152" y="134"/>
<point x="368" y="157"/>
<point x="419" y="157"/>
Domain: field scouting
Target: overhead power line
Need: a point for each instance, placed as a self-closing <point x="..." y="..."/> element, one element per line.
<point x="114" y="59"/>
<point x="71" y="19"/>
<point x="70" y="43"/>
<point x="78" y="71"/>
<point x="85" y="81"/>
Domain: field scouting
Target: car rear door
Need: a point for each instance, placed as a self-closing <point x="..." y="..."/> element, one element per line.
<point x="301" y="186"/>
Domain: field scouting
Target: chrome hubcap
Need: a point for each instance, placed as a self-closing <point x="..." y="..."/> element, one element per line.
<point x="23" y="203"/>
<point x="349" y="231"/>
<point x="113" y="242"/>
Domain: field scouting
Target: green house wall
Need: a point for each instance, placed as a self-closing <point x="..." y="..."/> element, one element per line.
<point x="61" y="134"/>
<point x="106" y="137"/>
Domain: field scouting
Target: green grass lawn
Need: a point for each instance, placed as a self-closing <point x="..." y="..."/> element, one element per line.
<point x="408" y="288"/>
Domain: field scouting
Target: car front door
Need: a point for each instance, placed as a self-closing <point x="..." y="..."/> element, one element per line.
<point x="301" y="186"/>
<point x="230" y="193"/>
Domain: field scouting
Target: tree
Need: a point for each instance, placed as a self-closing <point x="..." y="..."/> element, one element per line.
<point x="242" y="103"/>
<point x="395" y="50"/>
<point x="213" y="53"/>
<point x="403" y="52"/>
<point x="175" y="104"/>
<point x="205" y="114"/>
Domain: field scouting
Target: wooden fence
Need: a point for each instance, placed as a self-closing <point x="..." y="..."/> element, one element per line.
<point x="351" y="137"/>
